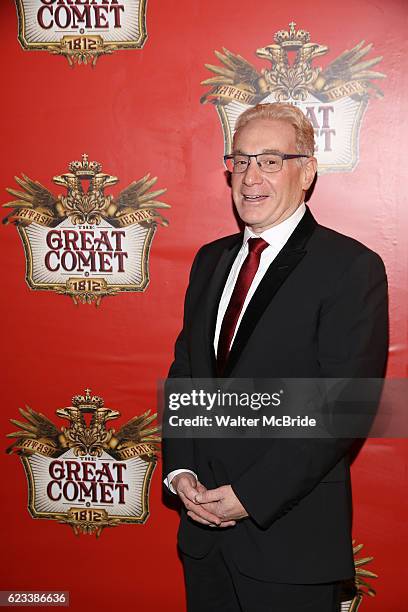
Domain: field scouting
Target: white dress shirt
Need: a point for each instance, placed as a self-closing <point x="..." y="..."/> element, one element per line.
<point x="276" y="237"/>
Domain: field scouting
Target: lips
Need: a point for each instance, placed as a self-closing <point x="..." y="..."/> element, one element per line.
<point x="253" y="198"/>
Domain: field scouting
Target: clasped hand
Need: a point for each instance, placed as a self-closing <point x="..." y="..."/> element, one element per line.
<point x="218" y="507"/>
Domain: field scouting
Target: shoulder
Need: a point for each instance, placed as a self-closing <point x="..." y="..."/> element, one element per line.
<point x="341" y="255"/>
<point x="333" y="245"/>
<point x="214" y="248"/>
<point x="207" y="257"/>
<point x="225" y="242"/>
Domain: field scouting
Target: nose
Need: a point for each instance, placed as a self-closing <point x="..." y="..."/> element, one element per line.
<point x="253" y="174"/>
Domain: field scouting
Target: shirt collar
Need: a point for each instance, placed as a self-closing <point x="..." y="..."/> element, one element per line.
<point x="278" y="235"/>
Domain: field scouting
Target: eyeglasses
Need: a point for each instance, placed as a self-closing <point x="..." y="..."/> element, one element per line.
<point x="267" y="162"/>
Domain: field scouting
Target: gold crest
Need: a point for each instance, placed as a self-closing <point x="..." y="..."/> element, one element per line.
<point x="86" y="474"/>
<point x="85" y="243"/>
<point x="333" y="98"/>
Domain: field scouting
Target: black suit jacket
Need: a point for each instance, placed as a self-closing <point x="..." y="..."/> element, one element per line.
<point x="319" y="311"/>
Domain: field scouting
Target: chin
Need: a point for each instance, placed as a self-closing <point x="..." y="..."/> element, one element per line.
<point x="251" y="220"/>
<point x="257" y="226"/>
<point x="253" y="217"/>
<point x="248" y="214"/>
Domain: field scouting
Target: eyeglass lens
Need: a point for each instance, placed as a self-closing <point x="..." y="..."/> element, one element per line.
<point x="267" y="162"/>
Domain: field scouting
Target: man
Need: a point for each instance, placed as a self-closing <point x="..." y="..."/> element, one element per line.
<point x="266" y="524"/>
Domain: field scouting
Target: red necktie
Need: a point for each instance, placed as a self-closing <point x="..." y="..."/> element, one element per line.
<point x="244" y="280"/>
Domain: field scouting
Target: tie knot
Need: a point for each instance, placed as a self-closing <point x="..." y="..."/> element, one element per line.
<point x="256" y="246"/>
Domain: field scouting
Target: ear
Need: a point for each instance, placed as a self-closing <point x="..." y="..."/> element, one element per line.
<point x="309" y="169"/>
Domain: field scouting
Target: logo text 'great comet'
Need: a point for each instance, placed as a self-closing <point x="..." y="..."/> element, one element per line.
<point x="85" y="250"/>
<point x="82" y="481"/>
<point x="80" y="13"/>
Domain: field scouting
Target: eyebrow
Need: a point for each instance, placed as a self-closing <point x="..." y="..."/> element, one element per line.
<point x="239" y="152"/>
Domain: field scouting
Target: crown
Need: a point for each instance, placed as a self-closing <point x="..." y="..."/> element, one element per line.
<point x="86" y="403"/>
<point x="85" y="168"/>
<point x="292" y="39"/>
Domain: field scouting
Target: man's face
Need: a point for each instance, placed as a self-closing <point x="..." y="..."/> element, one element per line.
<point x="265" y="199"/>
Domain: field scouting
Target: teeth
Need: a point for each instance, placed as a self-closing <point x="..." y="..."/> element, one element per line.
<point x="247" y="197"/>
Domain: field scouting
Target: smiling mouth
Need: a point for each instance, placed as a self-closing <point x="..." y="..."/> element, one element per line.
<point x="253" y="198"/>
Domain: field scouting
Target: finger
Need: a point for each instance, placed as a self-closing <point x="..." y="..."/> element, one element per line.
<point x="198" y="519"/>
<point x="201" y="512"/>
<point x="214" y="508"/>
<point x="197" y="509"/>
<point x="211" y="495"/>
<point x="218" y="508"/>
<point x="228" y="524"/>
<point x="200" y="487"/>
<point x="188" y="491"/>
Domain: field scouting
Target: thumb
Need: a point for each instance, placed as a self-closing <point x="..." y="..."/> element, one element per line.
<point x="211" y="495"/>
<point x="200" y="487"/>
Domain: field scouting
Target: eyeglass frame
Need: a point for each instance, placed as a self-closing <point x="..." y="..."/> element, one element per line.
<point x="283" y="156"/>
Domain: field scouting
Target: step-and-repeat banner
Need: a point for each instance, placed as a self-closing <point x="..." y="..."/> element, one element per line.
<point x="115" y="117"/>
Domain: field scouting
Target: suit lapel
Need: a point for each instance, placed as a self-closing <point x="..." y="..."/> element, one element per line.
<point x="214" y="292"/>
<point x="279" y="270"/>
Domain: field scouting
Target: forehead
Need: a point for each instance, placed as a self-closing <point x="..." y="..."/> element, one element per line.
<point x="263" y="134"/>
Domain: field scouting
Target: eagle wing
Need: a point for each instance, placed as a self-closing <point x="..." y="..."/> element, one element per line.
<point x="34" y="195"/>
<point x="137" y="195"/>
<point x="347" y="66"/>
<point x="235" y="70"/>
<point x="138" y="430"/>
<point x="36" y="426"/>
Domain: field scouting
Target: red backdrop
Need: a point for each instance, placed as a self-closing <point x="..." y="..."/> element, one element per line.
<point x="136" y="112"/>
